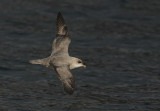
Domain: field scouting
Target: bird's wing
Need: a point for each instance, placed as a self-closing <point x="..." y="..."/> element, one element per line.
<point x="62" y="40"/>
<point x="67" y="78"/>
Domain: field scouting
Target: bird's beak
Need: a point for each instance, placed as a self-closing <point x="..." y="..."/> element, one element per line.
<point x="84" y="66"/>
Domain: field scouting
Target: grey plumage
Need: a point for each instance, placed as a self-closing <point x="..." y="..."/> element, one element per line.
<point x="62" y="40"/>
<point x="59" y="58"/>
<point x="67" y="78"/>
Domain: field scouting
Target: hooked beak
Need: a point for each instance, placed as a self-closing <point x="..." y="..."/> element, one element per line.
<point x="84" y="66"/>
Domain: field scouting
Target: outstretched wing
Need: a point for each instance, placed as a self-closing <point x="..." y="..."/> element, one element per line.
<point x="62" y="40"/>
<point x="67" y="78"/>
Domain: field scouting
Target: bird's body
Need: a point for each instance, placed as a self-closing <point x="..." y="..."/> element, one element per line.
<point x="60" y="59"/>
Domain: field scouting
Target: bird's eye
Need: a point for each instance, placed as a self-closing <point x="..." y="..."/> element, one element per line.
<point x="79" y="62"/>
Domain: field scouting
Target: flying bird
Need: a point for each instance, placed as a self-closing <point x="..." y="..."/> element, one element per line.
<point x="59" y="59"/>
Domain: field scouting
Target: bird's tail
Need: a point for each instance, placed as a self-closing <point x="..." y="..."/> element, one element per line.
<point x="38" y="61"/>
<point x="44" y="61"/>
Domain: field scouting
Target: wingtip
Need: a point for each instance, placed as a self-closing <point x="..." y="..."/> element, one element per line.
<point x="69" y="91"/>
<point x="61" y="25"/>
<point x="69" y="86"/>
<point x="60" y="18"/>
<point x="59" y="15"/>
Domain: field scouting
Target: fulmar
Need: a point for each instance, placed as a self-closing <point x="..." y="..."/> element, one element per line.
<point x="59" y="59"/>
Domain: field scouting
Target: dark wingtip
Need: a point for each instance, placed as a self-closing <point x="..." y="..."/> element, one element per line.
<point x="60" y="19"/>
<point x="59" y="15"/>
<point x="61" y="25"/>
<point x="69" y="91"/>
<point x="69" y="85"/>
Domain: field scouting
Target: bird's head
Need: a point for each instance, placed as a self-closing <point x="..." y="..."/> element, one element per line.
<point x="77" y="63"/>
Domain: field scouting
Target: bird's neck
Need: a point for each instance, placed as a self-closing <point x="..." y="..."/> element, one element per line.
<point x="73" y="63"/>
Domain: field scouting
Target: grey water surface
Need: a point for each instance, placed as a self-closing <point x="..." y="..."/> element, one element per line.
<point x="119" y="40"/>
